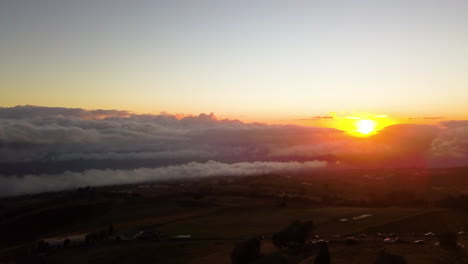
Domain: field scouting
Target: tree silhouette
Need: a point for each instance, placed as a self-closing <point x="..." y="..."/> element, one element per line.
<point x="293" y="236"/>
<point x="387" y="258"/>
<point x="323" y="256"/>
<point x="246" y="251"/>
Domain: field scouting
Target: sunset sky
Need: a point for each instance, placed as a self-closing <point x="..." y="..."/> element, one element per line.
<point x="102" y="92"/>
<point x="267" y="61"/>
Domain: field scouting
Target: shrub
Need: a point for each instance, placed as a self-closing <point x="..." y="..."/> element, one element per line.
<point x="246" y="251"/>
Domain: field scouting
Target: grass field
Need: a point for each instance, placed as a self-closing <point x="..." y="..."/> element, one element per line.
<point x="244" y="222"/>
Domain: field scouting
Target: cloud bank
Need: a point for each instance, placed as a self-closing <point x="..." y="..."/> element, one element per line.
<point x="60" y="134"/>
<point x="46" y="139"/>
<point x="69" y="180"/>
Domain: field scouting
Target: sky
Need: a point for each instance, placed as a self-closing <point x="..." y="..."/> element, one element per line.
<point x="102" y="92"/>
<point x="267" y="61"/>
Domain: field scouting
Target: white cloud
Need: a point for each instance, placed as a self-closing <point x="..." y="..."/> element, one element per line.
<point x="28" y="184"/>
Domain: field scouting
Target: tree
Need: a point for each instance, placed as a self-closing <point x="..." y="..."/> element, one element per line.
<point x="42" y="246"/>
<point x="387" y="258"/>
<point x="293" y="236"/>
<point x="448" y="240"/>
<point x="323" y="256"/>
<point x="246" y="251"/>
<point x="66" y="242"/>
<point x="110" y="229"/>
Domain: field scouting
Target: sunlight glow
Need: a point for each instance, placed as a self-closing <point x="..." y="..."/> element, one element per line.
<point x="365" y="126"/>
<point x="354" y="124"/>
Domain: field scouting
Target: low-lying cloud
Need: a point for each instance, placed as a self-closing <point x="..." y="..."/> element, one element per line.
<point x="44" y="183"/>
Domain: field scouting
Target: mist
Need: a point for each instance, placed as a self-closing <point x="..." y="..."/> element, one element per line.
<point x="30" y="184"/>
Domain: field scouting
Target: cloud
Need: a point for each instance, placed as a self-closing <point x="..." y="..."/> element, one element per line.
<point x="408" y="137"/>
<point x="89" y="137"/>
<point x="455" y="123"/>
<point x="29" y="184"/>
<point x="331" y="115"/>
<point x="427" y="117"/>
<point x="452" y="143"/>
<point x="450" y="147"/>
<point x="29" y="111"/>
<point x="64" y="137"/>
<point x="177" y="154"/>
<point x="317" y="118"/>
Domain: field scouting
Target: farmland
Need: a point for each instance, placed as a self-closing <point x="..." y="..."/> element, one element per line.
<point x="213" y="214"/>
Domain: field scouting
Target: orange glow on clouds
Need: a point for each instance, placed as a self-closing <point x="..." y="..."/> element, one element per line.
<point x="363" y="126"/>
<point x="359" y="125"/>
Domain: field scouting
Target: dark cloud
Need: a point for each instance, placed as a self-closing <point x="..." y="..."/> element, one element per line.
<point x="61" y="137"/>
<point x="29" y="111"/>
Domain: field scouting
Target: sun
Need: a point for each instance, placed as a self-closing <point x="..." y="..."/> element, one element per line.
<point x="361" y="125"/>
<point x="366" y="126"/>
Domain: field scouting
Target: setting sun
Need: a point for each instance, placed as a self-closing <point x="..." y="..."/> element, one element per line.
<point x="357" y="124"/>
<point x="365" y="126"/>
